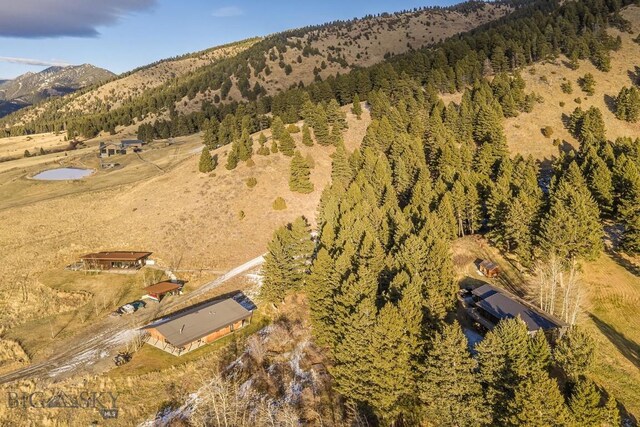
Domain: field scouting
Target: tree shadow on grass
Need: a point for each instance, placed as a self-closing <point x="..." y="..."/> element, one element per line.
<point x="610" y="102"/>
<point x="634" y="75"/>
<point x="623" y="262"/>
<point x="627" y="347"/>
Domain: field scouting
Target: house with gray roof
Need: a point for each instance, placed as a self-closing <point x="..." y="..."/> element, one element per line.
<point x="196" y="326"/>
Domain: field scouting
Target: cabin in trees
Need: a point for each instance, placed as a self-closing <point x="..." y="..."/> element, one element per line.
<point x="489" y="269"/>
<point x="197" y="326"/>
<point x="123" y="147"/>
<point x="159" y="290"/>
<point x="116" y="260"/>
<point x="488" y="305"/>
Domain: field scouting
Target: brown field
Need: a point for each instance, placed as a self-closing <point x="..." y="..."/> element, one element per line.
<point x="159" y="203"/>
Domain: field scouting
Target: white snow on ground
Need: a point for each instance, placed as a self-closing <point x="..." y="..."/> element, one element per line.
<point x="93" y="355"/>
<point x="473" y="338"/>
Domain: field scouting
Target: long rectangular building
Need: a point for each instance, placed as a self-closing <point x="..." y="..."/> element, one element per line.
<point x="490" y="305"/>
<point x="198" y="326"/>
<point x="122" y="260"/>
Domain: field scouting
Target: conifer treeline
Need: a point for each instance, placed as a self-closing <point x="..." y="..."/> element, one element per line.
<point x="535" y="31"/>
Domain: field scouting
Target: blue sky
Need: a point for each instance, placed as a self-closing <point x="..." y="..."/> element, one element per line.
<point x="123" y="34"/>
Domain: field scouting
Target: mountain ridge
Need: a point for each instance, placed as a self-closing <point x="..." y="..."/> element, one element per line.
<point x="30" y="88"/>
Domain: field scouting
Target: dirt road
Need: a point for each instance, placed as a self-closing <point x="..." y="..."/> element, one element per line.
<point x="95" y="347"/>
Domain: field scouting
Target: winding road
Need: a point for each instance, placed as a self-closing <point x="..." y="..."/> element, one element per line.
<point x="97" y="343"/>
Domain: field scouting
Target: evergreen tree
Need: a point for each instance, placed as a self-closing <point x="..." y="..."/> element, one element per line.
<point x="306" y="136"/>
<point x="357" y="107"/>
<point x="232" y="159"/>
<point x="449" y="389"/>
<point x="299" y="180"/>
<point x="206" y="161"/>
<point x="286" y="264"/>
<point x="628" y="104"/>
<point x="503" y="360"/>
<point x="585" y="405"/>
<point x="571" y="227"/>
<point x="340" y="169"/>
<point x="539" y="352"/>
<point x="537" y="402"/>
<point x="574" y="353"/>
<point x="587" y="83"/>
<point x="335" y="116"/>
<point x="321" y="127"/>
<point x="336" y="135"/>
<point x="245" y="146"/>
<point x="263" y="150"/>
<point x="210" y="133"/>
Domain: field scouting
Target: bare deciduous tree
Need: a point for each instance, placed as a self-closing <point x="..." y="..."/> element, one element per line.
<point x="558" y="288"/>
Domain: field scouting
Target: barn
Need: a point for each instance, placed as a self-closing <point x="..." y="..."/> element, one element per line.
<point x="115" y="260"/>
<point x="197" y="326"/>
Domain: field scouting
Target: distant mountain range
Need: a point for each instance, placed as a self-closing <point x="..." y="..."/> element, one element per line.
<point x="30" y="88"/>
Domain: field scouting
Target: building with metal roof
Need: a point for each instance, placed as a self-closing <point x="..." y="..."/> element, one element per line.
<point x="197" y="326"/>
<point x="489" y="305"/>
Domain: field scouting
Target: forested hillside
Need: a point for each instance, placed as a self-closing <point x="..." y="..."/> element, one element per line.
<point x="382" y="287"/>
<point x="246" y="71"/>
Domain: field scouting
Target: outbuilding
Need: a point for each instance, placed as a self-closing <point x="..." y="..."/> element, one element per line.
<point x="489" y="269"/>
<point x="159" y="290"/>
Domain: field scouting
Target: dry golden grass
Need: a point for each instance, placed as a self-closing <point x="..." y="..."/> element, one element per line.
<point x="524" y="132"/>
<point x="15" y="146"/>
<point x="187" y="219"/>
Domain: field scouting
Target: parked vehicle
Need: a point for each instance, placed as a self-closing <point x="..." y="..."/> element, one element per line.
<point x="122" y="358"/>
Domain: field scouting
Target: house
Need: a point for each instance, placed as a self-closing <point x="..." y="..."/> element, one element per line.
<point x="489" y="269"/>
<point x="204" y="323"/>
<point x="115" y="260"/>
<point x="160" y="290"/>
<point x="488" y="305"/>
<point x="125" y="146"/>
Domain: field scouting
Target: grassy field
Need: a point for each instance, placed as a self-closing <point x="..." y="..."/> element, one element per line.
<point x="157" y="202"/>
<point x="609" y="312"/>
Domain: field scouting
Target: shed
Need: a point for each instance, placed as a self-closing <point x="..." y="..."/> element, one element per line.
<point x="489" y="269"/>
<point x="158" y="290"/>
<point x="197" y="326"/>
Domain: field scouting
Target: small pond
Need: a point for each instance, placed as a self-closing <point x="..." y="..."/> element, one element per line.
<point x="63" y="174"/>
